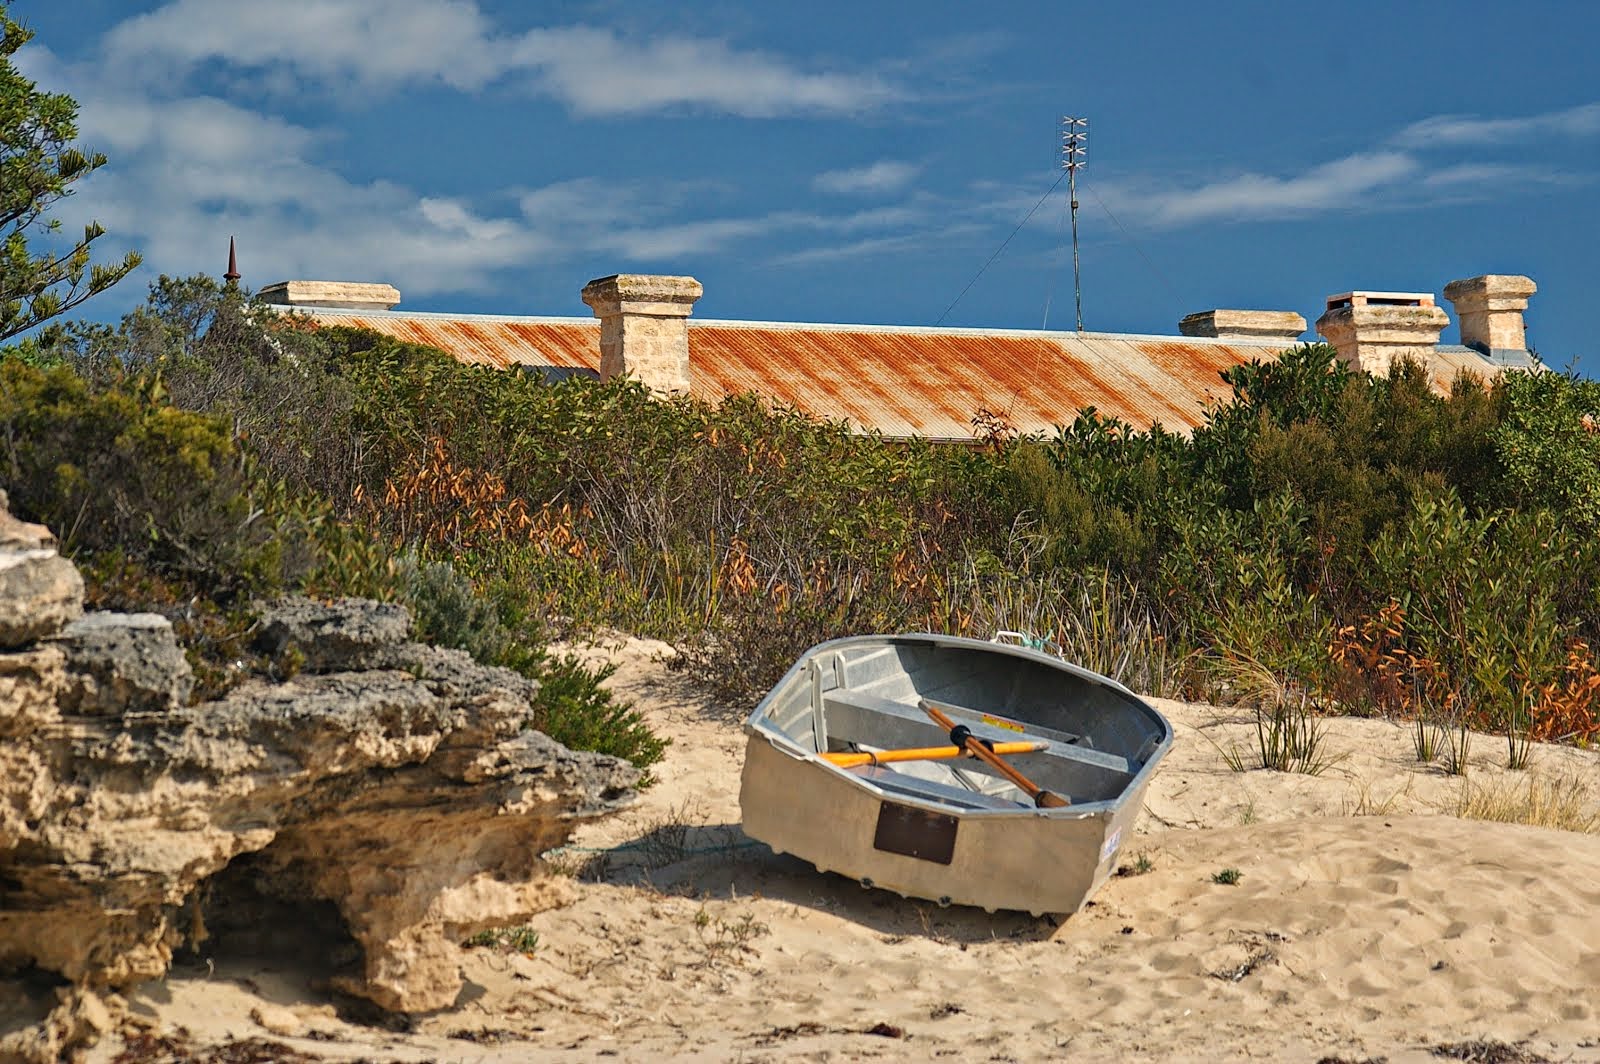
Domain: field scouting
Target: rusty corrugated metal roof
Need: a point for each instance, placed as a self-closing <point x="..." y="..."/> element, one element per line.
<point x="482" y="339"/>
<point x="1449" y="360"/>
<point x="899" y="381"/>
<point x="930" y="382"/>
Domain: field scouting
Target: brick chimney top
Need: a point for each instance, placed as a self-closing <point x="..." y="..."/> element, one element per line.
<point x="1283" y="325"/>
<point x="347" y="295"/>
<point x="1381" y="299"/>
<point x="644" y="327"/>
<point x="1490" y="308"/>
<point x="1373" y="329"/>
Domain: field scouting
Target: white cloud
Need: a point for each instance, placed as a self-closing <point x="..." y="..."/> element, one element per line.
<point x="1384" y="179"/>
<point x="877" y="246"/>
<point x="700" y="237"/>
<point x="1460" y="130"/>
<point x="190" y="169"/>
<point x="886" y="175"/>
<point x="668" y="240"/>
<point x="375" y="44"/>
<point x="383" y="45"/>
<point x="1343" y="183"/>
<point x="597" y="72"/>
<point x="1487" y="175"/>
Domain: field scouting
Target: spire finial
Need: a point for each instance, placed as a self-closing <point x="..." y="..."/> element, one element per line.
<point x="233" y="275"/>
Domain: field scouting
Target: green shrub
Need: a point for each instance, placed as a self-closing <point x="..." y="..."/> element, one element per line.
<point x="1549" y="444"/>
<point x="119" y="468"/>
<point x="575" y="709"/>
<point x="1324" y="534"/>
<point x="165" y="510"/>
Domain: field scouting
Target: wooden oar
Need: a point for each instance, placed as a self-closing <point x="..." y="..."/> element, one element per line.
<point x="962" y="736"/>
<point x="925" y="753"/>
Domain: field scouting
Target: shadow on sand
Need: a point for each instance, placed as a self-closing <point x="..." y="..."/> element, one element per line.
<point x="721" y="861"/>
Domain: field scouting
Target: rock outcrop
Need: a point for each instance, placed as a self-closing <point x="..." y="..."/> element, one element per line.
<point x="393" y="784"/>
<point x="39" y="590"/>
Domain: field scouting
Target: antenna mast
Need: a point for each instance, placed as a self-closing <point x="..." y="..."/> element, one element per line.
<point x="1074" y="131"/>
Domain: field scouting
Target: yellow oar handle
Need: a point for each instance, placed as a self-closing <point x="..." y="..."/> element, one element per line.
<point x="925" y="753"/>
<point x="1041" y="797"/>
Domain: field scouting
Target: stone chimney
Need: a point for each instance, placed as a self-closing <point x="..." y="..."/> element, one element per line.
<point x="347" y="295"/>
<point x="1489" y="309"/>
<point x="1372" y="329"/>
<point x="644" y="328"/>
<point x="1284" y="325"/>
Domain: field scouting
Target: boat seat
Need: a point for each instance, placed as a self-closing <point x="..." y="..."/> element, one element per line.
<point x="916" y="787"/>
<point x="853" y="715"/>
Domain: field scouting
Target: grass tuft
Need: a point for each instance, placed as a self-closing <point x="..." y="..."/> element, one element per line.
<point x="1366" y="803"/>
<point x="1562" y="802"/>
<point x="522" y="939"/>
<point x="1489" y="1051"/>
<point x="1290" y="737"/>
<point x="726" y="940"/>
<point x="1141" y="864"/>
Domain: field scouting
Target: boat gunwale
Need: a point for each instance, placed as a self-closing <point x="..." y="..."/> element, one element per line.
<point x="755" y="727"/>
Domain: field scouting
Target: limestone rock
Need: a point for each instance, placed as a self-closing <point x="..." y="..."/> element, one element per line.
<point x="277" y="1020"/>
<point x="79" y="1019"/>
<point x="392" y="785"/>
<point x="332" y="636"/>
<point x="17" y="534"/>
<point x="30" y="683"/>
<point x="40" y="592"/>
<point x="418" y="812"/>
<point x="122" y="662"/>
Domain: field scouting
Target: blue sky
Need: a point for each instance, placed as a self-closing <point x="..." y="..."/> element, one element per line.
<point x="846" y="162"/>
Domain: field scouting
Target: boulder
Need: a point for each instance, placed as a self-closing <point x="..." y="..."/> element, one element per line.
<point x="123" y="662"/>
<point x="16" y="534"/>
<point x="329" y="636"/>
<point x="391" y="787"/>
<point x="40" y="592"/>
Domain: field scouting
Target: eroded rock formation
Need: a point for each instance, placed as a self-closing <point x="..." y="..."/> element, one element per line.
<point x="392" y="782"/>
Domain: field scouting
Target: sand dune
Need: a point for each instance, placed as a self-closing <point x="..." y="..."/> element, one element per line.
<point x="1362" y="924"/>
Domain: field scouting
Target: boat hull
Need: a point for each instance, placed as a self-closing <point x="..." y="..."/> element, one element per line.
<point x="1006" y="855"/>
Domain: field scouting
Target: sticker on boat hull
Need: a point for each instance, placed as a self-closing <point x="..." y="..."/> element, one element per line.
<point x="1001" y="722"/>
<point x="1111" y="844"/>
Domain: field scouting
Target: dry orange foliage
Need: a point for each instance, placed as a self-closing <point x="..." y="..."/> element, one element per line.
<point x="1375" y="662"/>
<point x="435" y="501"/>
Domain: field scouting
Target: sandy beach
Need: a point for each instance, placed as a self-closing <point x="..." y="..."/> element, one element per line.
<point x="1365" y="922"/>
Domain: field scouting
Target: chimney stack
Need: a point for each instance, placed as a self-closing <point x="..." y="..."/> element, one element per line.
<point x="347" y="295"/>
<point x="644" y="328"/>
<point x="1283" y="325"/>
<point x="1373" y="329"/>
<point x="1489" y="308"/>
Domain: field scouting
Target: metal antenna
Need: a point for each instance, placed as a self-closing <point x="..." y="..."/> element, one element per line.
<point x="1074" y="131"/>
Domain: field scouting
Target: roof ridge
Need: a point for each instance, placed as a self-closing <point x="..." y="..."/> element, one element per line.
<point x="808" y="326"/>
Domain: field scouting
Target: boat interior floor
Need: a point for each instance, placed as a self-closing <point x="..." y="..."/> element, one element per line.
<point x="857" y="720"/>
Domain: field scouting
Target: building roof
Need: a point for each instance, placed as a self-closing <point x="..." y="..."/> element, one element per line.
<point x="901" y="381"/>
<point x="1451" y="360"/>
